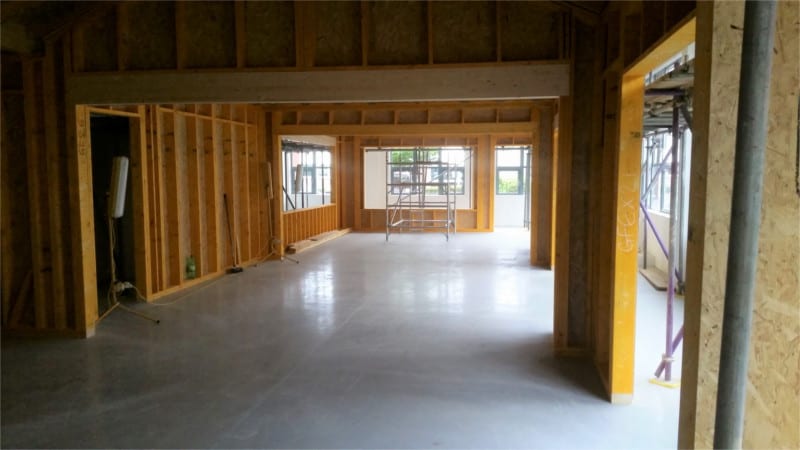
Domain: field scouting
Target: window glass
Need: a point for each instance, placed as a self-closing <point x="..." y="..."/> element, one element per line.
<point x="508" y="181"/>
<point x="307" y="175"/>
<point x="509" y="158"/>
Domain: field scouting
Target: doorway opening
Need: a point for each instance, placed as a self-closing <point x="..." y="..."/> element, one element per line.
<point x="110" y="138"/>
<point x="512" y="196"/>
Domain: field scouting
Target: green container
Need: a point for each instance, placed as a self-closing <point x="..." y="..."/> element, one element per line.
<point x="191" y="268"/>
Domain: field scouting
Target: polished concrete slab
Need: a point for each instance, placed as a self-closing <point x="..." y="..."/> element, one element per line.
<point x="414" y="343"/>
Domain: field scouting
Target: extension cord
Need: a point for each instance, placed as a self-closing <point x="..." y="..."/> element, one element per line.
<point x="120" y="286"/>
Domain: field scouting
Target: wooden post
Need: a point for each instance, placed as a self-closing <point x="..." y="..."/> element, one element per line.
<point x="141" y="204"/>
<point x="35" y="158"/>
<point x="84" y="265"/>
<point x="563" y="198"/>
<point x="277" y="181"/>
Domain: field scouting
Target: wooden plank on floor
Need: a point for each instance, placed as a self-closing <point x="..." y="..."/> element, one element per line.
<point x="314" y="241"/>
<point x="656" y="278"/>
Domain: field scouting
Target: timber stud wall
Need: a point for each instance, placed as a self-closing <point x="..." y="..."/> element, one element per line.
<point x="195" y="155"/>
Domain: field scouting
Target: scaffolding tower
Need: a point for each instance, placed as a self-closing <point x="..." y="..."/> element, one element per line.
<point x="416" y="192"/>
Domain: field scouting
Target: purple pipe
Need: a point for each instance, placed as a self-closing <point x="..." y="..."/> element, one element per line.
<point x="653" y="227"/>
<point x="675" y="344"/>
<point x="658" y="238"/>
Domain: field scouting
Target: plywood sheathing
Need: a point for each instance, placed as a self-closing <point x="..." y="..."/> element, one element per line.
<point x="337" y="26"/>
<point x="300" y="35"/>
<point x="207" y="34"/>
<point x="148" y="35"/>
<point x="397" y="33"/>
<point x="581" y="149"/>
<point x="773" y="394"/>
<point x="270" y="34"/>
<point x="464" y="32"/>
<point x="530" y="31"/>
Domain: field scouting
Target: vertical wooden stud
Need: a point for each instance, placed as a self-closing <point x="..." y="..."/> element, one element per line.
<point x="563" y="198"/>
<point x="626" y="220"/>
<point x="193" y="154"/>
<point x="35" y="157"/>
<point x="53" y="144"/>
<point x="141" y="204"/>
<point x="82" y="219"/>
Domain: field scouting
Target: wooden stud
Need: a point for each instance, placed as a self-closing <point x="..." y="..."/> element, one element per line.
<point x="254" y="186"/>
<point x="53" y="160"/>
<point x="563" y="199"/>
<point x="239" y="137"/>
<point x="231" y="182"/>
<point x="174" y="190"/>
<point x="491" y="181"/>
<point x="35" y="155"/>
<point x="195" y="185"/>
<point x="84" y="265"/>
<point x="217" y="162"/>
<point x="623" y="325"/>
<point x="277" y="180"/>
<point x="141" y="210"/>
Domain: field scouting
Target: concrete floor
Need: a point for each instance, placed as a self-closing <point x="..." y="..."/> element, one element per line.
<point x="414" y="343"/>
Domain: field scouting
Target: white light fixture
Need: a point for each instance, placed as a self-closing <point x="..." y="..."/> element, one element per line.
<point x="119" y="182"/>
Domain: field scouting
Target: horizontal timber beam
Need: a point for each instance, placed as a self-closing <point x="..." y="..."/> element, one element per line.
<point x="438" y="129"/>
<point x="496" y="82"/>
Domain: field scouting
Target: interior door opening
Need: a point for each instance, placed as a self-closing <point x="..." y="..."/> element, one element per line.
<point x="512" y="196"/>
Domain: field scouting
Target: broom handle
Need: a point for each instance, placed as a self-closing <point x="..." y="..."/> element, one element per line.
<point x="228" y="219"/>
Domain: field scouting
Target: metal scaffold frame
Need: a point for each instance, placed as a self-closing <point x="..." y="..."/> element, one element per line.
<point x="411" y="210"/>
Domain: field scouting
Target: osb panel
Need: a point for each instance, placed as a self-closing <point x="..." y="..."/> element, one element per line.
<point x="289" y="118"/>
<point x="676" y="11"/>
<point x="338" y="30"/>
<point x="515" y="115"/>
<point x="100" y="44"/>
<point x="347" y="117"/>
<point x="314" y="118"/>
<point x="377" y="116"/>
<point x="398" y="33"/>
<point x="209" y="30"/>
<point x="446" y="115"/>
<point x="464" y="32"/>
<point x="773" y="395"/>
<point x="391" y="142"/>
<point x="529" y="31"/>
<point x="480" y="115"/>
<point x="270" y="34"/>
<point x="653" y="26"/>
<point x="150" y="40"/>
<point x="412" y="116"/>
<point x="581" y="148"/>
